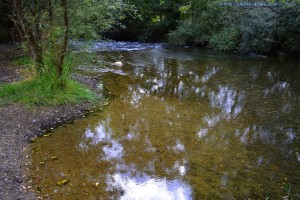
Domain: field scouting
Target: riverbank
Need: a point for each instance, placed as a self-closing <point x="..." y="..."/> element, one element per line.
<point x="19" y="125"/>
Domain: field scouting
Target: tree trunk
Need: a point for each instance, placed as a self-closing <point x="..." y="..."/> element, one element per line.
<point x="31" y="34"/>
<point x="65" y="43"/>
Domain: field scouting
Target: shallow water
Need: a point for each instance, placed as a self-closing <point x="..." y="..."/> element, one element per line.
<point x="183" y="124"/>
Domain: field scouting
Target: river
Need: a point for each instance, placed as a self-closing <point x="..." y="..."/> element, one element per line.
<point x="183" y="123"/>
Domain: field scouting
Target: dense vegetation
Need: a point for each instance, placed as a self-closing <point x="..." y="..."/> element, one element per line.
<point x="45" y="28"/>
<point x="250" y="25"/>
<point x="247" y="26"/>
<point x="147" y="20"/>
<point x="244" y="26"/>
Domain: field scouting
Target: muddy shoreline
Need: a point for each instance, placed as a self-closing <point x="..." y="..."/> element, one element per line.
<point x="19" y="125"/>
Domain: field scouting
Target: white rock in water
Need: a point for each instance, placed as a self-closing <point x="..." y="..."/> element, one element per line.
<point x="118" y="64"/>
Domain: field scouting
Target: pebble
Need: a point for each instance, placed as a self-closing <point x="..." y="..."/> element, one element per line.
<point x="118" y="64"/>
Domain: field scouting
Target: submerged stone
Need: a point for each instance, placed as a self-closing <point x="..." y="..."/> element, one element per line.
<point x="63" y="182"/>
<point x="54" y="158"/>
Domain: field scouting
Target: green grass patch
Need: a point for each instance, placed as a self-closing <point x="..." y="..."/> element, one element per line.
<point x="46" y="89"/>
<point x="23" y="61"/>
<point x="45" y="92"/>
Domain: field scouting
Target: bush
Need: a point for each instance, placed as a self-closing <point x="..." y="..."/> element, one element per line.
<point x="247" y="29"/>
<point x="201" y="25"/>
<point x="183" y="34"/>
<point x="257" y="27"/>
<point x="288" y="31"/>
<point x="226" y="40"/>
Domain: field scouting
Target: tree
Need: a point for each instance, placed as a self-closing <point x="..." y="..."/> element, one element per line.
<point x="247" y="26"/>
<point x="147" y="20"/>
<point x="46" y="26"/>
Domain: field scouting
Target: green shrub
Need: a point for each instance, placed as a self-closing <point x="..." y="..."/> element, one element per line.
<point x="288" y="30"/>
<point x="247" y="29"/>
<point x="226" y="40"/>
<point x="257" y="27"/>
<point x="206" y="20"/>
<point x="183" y="34"/>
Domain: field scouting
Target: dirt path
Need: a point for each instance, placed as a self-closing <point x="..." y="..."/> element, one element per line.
<point x="19" y="125"/>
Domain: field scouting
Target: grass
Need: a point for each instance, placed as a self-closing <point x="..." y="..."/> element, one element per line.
<point x="24" y="61"/>
<point x="45" y="92"/>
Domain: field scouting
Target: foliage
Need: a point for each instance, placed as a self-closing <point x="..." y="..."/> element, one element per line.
<point x="288" y="30"/>
<point x="90" y="17"/>
<point x="257" y="28"/>
<point x="205" y="19"/>
<point x="184" y="34"/>
<point x="226" y="40"/>
<point x="244" y="26"/>
<point x="147" y="20"/>
<point x="45" y="28"/>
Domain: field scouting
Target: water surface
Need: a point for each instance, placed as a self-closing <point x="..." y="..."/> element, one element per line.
<point x="183" y="124"/>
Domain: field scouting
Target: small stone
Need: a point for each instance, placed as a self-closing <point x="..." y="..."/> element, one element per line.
<point x="42" y="163"/>
<point x="63" y="182"/>
<point x="54" y="158"/>
<point x="118" y="64"/>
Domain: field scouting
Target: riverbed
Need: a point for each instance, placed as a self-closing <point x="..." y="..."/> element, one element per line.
<point x="182" y="123"/>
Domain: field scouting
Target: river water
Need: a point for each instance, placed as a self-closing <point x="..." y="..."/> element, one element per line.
<point x="183" y="123"/>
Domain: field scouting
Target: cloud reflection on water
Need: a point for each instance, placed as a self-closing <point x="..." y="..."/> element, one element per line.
<point x="147" y="188"/>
